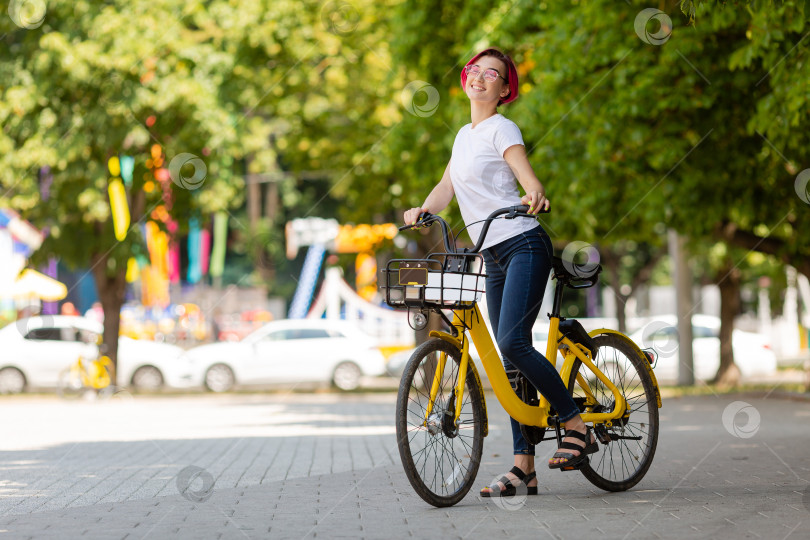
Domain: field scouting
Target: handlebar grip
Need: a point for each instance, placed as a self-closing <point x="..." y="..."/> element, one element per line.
<point x="419" y="221"/>
<point x="524" y="209"/>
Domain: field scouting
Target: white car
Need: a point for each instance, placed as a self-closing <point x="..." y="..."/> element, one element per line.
<point x="290" y="351"/>
<point x="752" y="352"/>
<point x="36" y="350"/>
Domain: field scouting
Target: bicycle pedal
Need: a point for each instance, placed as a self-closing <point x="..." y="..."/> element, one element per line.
<point x="602" y="434"/>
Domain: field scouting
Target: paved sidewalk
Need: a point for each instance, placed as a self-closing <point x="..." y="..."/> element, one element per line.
<point x="743" y="478"/>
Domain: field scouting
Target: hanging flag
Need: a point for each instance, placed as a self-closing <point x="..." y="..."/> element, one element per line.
<point x="157" y="243"/>
<point x="114" y="166"/>
<point x="174" y="262"/>
<point x="127" y="166"/>
<point x="194" y="273"/>
<point x="174" y="252"/>
<point x="119" y="207"/>
<point x="205" y="250"/>
<point x="366" y="271"/>
<point x="132" y="270"/>
<point x="220" y="238"/>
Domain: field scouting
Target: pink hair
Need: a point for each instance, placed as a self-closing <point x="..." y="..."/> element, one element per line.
<point x="512" y="77"/>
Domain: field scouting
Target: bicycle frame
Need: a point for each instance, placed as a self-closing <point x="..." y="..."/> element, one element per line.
<point x="470" y="320"/>
<point x="94" y="373"/>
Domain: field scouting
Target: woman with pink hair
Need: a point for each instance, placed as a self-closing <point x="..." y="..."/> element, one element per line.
<point x="488" y="161"/>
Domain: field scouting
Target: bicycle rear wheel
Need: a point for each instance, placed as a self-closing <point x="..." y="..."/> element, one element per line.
<point x="440" y="459"/>
<point x="623" y="462"/>
<point x="70" y="384"/>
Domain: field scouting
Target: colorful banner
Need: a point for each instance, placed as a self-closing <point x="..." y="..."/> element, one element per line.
<point x="205" y="251"/>
<point x="119" y="207"/>
<point x="194" y="273"/>
<point x="127" y="166"/>
<point x="220" y="239"/>
<point x="366" y="268"/>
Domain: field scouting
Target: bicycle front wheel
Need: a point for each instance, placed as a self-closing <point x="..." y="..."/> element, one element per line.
<point x="621" y="463"/>
<point x="440" y="458"/>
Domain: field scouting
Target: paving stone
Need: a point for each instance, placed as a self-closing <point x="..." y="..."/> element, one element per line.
<point x="319" y="466"/>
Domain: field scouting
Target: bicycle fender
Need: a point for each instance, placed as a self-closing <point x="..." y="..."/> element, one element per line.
<point x="457" y="343"/>
<point x="635" y="347"/>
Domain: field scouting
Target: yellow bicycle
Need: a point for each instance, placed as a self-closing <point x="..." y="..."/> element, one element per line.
<point x="83" y="375"/>
<point x="441" y="417"/>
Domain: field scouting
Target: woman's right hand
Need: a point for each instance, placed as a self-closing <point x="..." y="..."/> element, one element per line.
<point x="412" y="214"/>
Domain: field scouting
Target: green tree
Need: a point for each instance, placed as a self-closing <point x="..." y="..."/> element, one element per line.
<point x="89" y="84"/>
<point x="696" y="119"/>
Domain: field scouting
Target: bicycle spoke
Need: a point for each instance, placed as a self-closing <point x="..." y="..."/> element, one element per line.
<point x="441" y="461"/>
<point x="623" y="461"/>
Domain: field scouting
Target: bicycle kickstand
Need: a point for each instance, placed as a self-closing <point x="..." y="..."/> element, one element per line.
<point x="555" y="421"/>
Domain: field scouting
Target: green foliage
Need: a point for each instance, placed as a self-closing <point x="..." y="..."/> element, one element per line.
<point x="705" y="132"/>
<point x="629" y="137"/>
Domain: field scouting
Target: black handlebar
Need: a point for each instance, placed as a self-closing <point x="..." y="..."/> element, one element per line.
<point x="427" y="219"/>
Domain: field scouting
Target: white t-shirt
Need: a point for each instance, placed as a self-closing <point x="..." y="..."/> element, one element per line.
<point x="483" y="181"/>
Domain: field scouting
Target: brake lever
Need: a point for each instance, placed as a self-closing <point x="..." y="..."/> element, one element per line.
<point x="421" y="222"/>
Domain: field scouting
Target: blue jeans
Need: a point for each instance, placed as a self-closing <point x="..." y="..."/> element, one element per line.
<point x="517" y="272"/>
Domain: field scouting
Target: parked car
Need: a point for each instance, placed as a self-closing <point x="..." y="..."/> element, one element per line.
<point x="752" y="352"/>
<point x="289" y="351"/>
<point x="36" y="350"/>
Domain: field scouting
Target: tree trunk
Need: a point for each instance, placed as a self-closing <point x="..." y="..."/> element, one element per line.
<point x="111" y="291"/>
<point x="728" y="375"/>
<point x="621" y="313"/>
<point x="611" y="262"/>
<point x="271" y="203"/>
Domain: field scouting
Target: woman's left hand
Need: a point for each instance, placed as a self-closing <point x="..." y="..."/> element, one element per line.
<point x="537" y="202"/>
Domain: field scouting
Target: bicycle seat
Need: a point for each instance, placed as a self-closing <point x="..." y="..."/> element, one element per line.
<point x="568" y="272"/>
<point x="573" y="330"/>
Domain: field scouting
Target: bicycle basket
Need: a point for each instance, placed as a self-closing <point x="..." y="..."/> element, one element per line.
<point x="443" y="280"/>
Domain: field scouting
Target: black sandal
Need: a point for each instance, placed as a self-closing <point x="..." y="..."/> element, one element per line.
<point x="570" y="459"/>
<point x="509" y="489"/>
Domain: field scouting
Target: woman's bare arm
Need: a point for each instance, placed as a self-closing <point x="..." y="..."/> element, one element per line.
<point x="535" y="196"/>
<point x="438" y="199"/>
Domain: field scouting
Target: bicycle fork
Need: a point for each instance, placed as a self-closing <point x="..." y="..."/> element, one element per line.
<point x="457" y="395"/>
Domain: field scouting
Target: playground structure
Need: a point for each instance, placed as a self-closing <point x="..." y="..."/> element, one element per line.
<point x="336" y="299"/>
